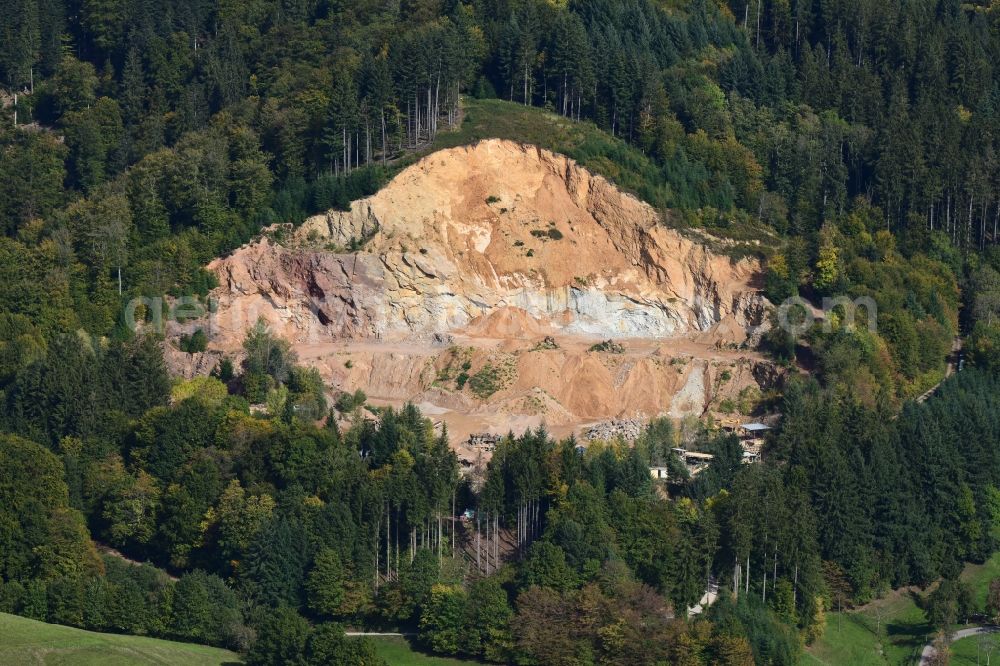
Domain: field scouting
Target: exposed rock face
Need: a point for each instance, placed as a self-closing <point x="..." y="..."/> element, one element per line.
<point x="182" y="364"/>
<point x="306" y="295"/>
<point x="468" y="231"/>
<point x="509" y="262"/>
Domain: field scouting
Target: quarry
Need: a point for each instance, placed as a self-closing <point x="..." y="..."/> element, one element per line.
<point x="499" y="286"/>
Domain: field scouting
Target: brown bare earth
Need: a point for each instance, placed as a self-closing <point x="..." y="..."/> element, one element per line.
<point x="487" y="274"/>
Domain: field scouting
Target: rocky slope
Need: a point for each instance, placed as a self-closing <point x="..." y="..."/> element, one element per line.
<point x="471" y="230"/>
<point x="497" y="245"/>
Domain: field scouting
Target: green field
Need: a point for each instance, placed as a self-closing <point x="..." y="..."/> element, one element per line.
<point x="397" y="651"/>
<point x="850" y="637"/>
<point x="24" y="641"/>
<point x="978" y="576"/>
<point x="971" y="652"/>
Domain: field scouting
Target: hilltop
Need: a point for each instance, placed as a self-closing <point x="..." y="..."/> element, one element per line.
<point x="475" y="256"/>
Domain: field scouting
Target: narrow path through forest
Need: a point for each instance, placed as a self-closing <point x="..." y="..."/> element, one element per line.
<point x="105" y="549"/>
<point x="953" y="365"/>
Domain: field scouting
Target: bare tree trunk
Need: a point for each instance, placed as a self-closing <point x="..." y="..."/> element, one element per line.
<point x="437" y="102"/>
<point x="982" y="226"/>
<point x="968" y="227"/>
<point x="774" y="576"/>
<point x="764" y="591"/>
<point x="947" y="212"/>
<point x="525" y="93"/>
<point x="564" y="93"/>
<point x="757" y="45"/>
<point x="996" y="220"/>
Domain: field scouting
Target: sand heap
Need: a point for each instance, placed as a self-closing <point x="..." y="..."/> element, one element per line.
<point x="501" y="242"/>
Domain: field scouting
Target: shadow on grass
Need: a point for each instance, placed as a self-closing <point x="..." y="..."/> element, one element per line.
<point x="407" y="651"/>
<point x="910" y="634"/>
<point x="907" y="633"/>
<point x="904" y="631"/>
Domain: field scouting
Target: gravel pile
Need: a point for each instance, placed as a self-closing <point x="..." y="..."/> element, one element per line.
<point x="627" y="429"/>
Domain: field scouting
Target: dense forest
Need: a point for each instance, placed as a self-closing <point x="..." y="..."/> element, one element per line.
<point x="148" y="138"/>
<point x="856" y="141"/>
<point x="281" y="532"/>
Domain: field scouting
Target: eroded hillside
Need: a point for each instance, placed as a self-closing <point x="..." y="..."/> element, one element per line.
<point x="486" y="275"/>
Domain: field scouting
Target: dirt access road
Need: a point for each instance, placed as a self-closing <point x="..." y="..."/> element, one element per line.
<point x="954" y="364"/>
<point x="927" y="656"/>
<point x="542" y="388"/>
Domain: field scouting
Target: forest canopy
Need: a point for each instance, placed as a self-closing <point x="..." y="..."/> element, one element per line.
<point x="851" y="146"/>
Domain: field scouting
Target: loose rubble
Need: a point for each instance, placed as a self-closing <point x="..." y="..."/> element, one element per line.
<point x="626" y="429"/>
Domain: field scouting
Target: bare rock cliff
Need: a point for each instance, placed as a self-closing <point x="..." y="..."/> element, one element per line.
<point x="486" y="274"/>
<point x="497" y="234"/>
